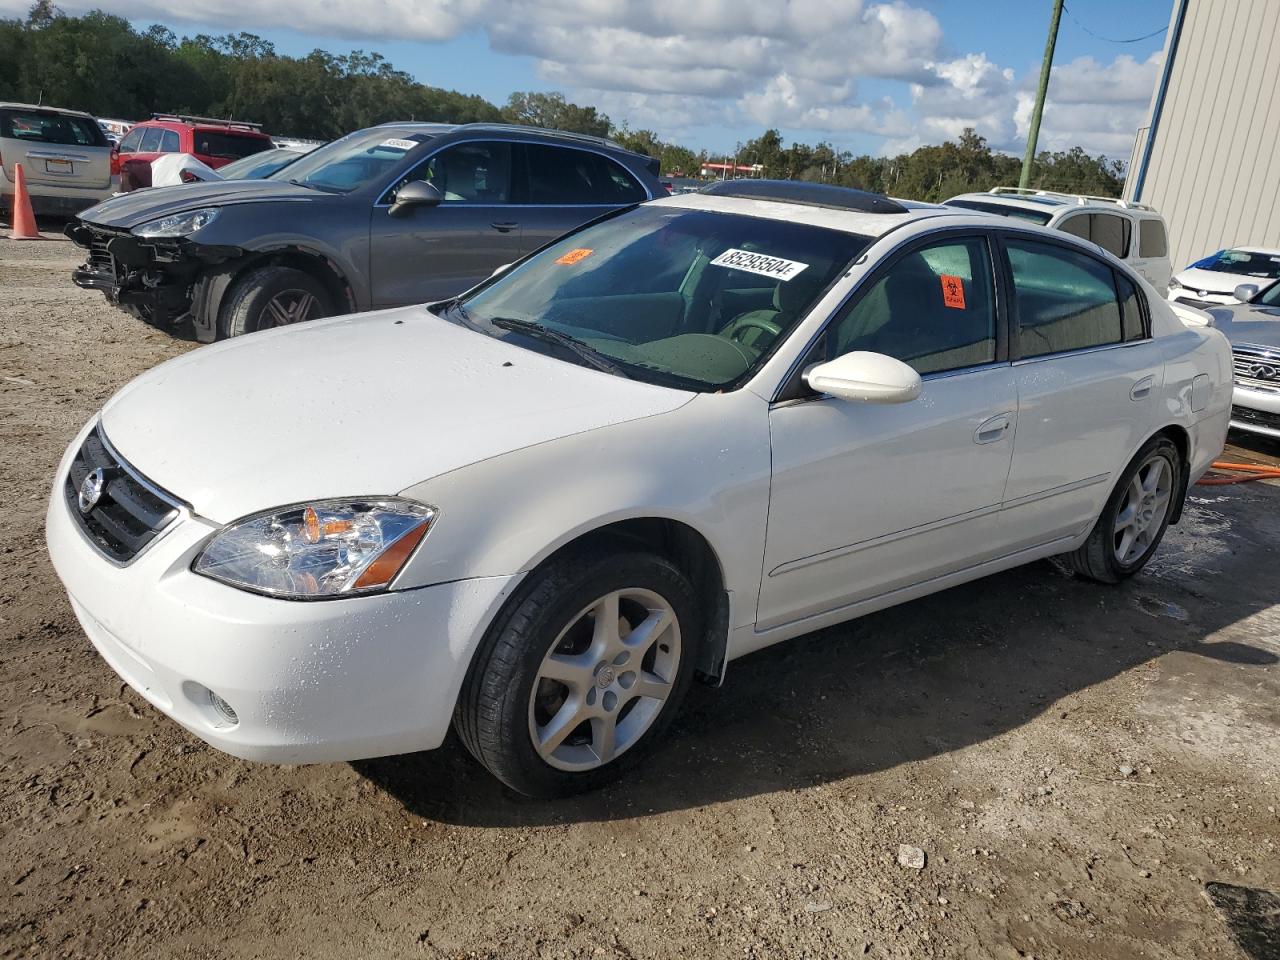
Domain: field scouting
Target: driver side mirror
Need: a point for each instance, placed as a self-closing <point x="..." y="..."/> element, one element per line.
<point x="866" y="378"/>
<point x="415" y="193"/>
<point x="1245" y="292"/>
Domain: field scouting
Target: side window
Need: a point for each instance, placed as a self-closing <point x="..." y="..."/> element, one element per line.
<point x="1271" y="298"/>
<point x="1063" y="300"/>
<point x="1077" y="226"/>
<point x="130" y="142"/>
<point x="169" y="141"/>
<point x="565" y="177"/>
<point x="1110" y="231"/>
<point x="1151" y="239"/>
<point x="469" y="173"/>
<point x="1134" y="325"/>
<point x="150" y="140"/>
<point x="934" y="308"/>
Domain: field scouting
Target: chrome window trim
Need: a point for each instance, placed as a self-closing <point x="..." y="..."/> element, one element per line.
<point x="519" y="206"/>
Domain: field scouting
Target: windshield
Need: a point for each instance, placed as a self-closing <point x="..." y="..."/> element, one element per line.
<point x="689" y="298"/>
<point x="1004" y="210"/>
<point x="353" y="161"/>
<point x="260" y="165"/>
<point x="1247" y="263"/>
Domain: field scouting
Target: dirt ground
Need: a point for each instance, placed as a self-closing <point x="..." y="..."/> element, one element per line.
<point x="1077" y="762"/>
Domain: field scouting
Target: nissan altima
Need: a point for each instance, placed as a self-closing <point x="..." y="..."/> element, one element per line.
<point x="536" y="512"/>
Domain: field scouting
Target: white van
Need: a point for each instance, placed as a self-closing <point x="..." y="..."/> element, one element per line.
<point x="1133" y="232"/>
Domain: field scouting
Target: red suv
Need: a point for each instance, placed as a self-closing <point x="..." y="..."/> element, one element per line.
<point x="213" y="142"/>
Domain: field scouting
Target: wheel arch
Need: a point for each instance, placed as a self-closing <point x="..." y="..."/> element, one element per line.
<point x="1182" y="440"/>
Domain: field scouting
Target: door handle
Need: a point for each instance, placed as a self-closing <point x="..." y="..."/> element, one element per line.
<point x="992" y="430"/>
<point x="1142" y="388"/>
<point x="504" y="227"/>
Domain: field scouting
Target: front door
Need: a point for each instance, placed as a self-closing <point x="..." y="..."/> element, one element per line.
<point x="437" y="252"/>
<point x="868" y="498"/>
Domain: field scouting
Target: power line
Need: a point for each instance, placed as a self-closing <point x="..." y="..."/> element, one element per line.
<point x="1098" y="36"/>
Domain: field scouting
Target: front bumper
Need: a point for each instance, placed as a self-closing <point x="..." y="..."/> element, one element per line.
<point x="308" y="681"/>
<point x="1256" y="411"/>
<point x="1192" y="298"/>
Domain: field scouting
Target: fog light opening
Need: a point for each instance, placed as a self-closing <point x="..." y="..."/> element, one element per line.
<point x="216" y="711"/>
<point x="223" y="710"/>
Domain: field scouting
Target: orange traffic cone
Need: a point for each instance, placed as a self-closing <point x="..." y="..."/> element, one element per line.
<point x="24" y="218"/>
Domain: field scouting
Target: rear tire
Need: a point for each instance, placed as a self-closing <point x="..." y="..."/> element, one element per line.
<point x="272" y="297"/>
<point x="581" y="672"/>
<point x="1135" y="517"/>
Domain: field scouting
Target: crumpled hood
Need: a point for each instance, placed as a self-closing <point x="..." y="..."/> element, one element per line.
<point x="138" y="206"/>
<point x="353" y="406"/>
<point x="1249" y="324"/>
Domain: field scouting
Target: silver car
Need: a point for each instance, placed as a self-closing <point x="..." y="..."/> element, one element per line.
<point x="65" y="157"/>
<point x="1253" y="327"/>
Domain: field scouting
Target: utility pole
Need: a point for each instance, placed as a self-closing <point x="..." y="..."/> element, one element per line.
<point x="1033" y="134"/>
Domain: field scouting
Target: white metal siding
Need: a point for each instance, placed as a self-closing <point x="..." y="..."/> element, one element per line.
<point x="1214" y="170"/>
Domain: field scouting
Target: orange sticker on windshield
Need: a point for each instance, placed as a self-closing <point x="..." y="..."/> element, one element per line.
<point x="575" y="256"/>
<point x="952" y="291"/>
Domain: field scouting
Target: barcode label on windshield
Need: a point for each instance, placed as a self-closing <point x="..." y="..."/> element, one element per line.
<point x="395" y="143"/>
<point x="761" y="263"/>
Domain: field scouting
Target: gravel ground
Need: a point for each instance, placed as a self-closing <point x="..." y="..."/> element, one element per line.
<point x="1076" y="763"/>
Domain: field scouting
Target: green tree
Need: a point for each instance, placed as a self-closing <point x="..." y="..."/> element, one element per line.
<point x="551" y="110"/>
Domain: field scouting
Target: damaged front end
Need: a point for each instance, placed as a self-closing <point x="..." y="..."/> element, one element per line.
<point x="155" y="278"/>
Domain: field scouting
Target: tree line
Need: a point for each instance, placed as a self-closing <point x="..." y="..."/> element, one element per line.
<point x="101" y="64"/>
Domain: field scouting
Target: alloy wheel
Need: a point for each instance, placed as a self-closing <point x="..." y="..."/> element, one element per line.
<point x="288" y="307"/>
<point x="605" y="679"/>
<point x="1142" y="512"/>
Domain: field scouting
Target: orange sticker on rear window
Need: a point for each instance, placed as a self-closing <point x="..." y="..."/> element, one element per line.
<point x="575" y="256"/>
<point x="952" y="291"/>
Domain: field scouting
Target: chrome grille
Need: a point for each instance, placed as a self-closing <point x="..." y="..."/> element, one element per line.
<point x="129" y="512"/>
<point x="1256" y="367"/>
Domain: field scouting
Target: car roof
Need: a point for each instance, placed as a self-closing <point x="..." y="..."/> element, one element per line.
<point x="46" y="108"/>
<point x="549" y="133"/>
<point x="1265" y="251"/>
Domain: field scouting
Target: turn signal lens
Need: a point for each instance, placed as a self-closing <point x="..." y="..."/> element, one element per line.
<point x="383" y="570"/>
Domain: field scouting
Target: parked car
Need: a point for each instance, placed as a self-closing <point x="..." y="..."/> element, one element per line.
<point x="1132" y="232"/>
<point x="682" y="432"/>
<point x="397" y="214"/>
<point x="1252" y="324"/>
<point x="214" y="143"/>
<point x="65" y="157"/>
<point x="1213" y="280"/>
<point x="259" y="166"/>
<point x="172" y="169"/>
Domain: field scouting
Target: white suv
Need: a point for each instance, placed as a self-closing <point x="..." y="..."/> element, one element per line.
<point x="678" y="434"/>
<point x="1132" y="232"/>
<point x="65" y="157"/>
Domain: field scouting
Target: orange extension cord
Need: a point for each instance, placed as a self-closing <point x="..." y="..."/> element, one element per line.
<point x="1251" y="471"/>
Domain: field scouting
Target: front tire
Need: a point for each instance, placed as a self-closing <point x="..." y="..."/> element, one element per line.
<point x="1136" y="516"/>
<point x="272" y="296"/>
<point x="581" y="672"/>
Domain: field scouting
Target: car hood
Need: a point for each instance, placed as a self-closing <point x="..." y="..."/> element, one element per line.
<point x="127" y="210"/>
<point x="353" y="406"/>
<point x="1215" y="281"/>
<point x="1249" y="324"/>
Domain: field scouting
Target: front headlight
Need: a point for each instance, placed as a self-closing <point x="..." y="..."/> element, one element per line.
<point x="178" y="224"/>
<point x="329" y="548"/>
<point x="1174" y="284"/>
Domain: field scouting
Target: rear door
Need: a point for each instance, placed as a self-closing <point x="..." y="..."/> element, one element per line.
<point x="437" y="252"/>
<point x="55" y="149"/>
<point x="1151" y="254"/>
<point x="562" y="187"/>
<point x="1088" y="376"/>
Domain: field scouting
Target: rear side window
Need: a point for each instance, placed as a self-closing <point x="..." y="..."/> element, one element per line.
<point x="1063" y="300"/>
<point x="169" y="142"/>
<point x="232" y="146"/>
<point x="150" y="140"/>
<point x="1131" y="309"/>
<point x="39" y="126"/>
<point x="131" y="141"/>
<point x="1108" y="230"/>
<point x="564" y="177"/>
<point x="933" y="309"/>
<point x="1151" y="239"/>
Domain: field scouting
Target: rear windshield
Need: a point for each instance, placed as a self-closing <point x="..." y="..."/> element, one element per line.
<point x="213" y="143"/>
<point x="43" y="126"/>
<point x="1247" y="263"/>
<point x="1017" y="213"/>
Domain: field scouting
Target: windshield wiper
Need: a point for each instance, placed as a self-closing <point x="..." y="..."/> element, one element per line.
<point x="589" y="354"/>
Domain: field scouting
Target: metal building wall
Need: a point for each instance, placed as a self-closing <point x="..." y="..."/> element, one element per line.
<point x="1214" y="164"/>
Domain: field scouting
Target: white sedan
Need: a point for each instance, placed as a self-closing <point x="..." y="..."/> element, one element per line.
<point x="677" y="435"/>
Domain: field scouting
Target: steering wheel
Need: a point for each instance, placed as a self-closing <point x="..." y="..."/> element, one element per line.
<point x="740" y="325"/>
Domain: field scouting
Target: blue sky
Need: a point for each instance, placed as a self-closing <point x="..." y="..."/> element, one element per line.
<point x="866" y="76"/>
